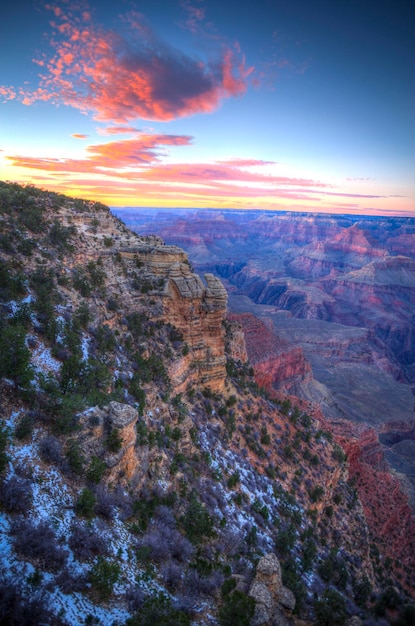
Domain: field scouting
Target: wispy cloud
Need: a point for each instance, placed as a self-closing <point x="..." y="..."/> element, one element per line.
<point x="79" y="136"/>
<point x="130" y="74"/>
<point x="195" y="15"/>
<point x="118" y="130"/>
<point x="111" y="157"/>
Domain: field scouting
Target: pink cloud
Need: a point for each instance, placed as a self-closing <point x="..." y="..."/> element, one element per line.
<point x="122" y="77"/>
<point x="8" y="93"/>
<point x="79" y="136"/>
<point x="118" y="130"/>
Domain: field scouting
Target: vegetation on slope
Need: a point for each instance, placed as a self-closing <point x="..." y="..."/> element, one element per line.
<point x="167" y="527"/>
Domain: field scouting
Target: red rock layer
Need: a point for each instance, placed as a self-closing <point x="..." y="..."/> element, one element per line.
<point x="388" y="513"/>
<point x="276" y="363"/>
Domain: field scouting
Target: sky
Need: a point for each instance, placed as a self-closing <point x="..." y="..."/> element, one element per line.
<point x="302" y="105"/>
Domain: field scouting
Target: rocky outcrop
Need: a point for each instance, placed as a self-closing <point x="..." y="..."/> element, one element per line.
<point x="157" y="257"/>
<point x="273" y="602"/>
<point x="197" y="309"/>
<point x="97" y="426"/>
<point x="235" y="343"/>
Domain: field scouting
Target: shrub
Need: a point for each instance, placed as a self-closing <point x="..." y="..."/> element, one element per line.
<point x="15" y="356"/>
<point x="86" y="503"/>
<point x="3" y="445"/>
<point x="237" y="610"/>
<point x="233" y="480"/>
<point x="75" y="458"/>
<point x="316" y="493"/>
<point x="163" y="542"/>
<point x="196" y="521"/>
<point x="103" y="577"/>
<point x="158" y="609"/>
<point x="38" y="542"/>
<point x="16" y="494"/>
<point x="330" y="609"/>
<point x="24" y="427"/>
<point x="85" y="542"/>
<point x="338" y="454"/>
<point x="17" y="609"/>
<point x="96" y="470"/>
<point x="51" y="450"/>
<point x="114" y="440"/>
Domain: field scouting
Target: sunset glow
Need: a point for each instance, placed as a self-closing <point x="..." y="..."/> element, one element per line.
<point x="179" y="105"/>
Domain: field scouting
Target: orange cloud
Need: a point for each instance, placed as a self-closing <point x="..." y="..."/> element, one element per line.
<point x="118" y="130"/>
<point x="132" y="171"/>
<point x="122" y="77"/>
<point x="115" y="155"/>
<point x="8" y="93"/>
<point x="79" y="136"/>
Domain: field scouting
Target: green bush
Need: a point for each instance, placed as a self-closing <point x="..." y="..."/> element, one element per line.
<point x="330" y="609"/>
<point x="96" y="470"/>
<point x="103" y="577"/>
<point x="15" y="356"/>
<point x="233" y="480"/>
<point x="75" y="458"/>
<point x="24" y="427"/>
<point x="86" y="504"/>
<point x="237" y="610"/>
<point x="196" y="521"/>
<point x="114" y="440"/>
<point x="158" y="611"/>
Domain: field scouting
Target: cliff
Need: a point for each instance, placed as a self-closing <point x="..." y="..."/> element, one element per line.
<point x="277" y="364"/>
<point x="198" y="311"/>
<point x="142" y="477"/>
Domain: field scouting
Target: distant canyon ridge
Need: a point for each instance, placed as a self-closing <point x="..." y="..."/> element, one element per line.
<point x="327" y="305"/>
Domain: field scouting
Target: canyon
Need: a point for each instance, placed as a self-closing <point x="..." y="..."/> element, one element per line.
<point x="327" y="305"/>
<point x="168" y="456"/>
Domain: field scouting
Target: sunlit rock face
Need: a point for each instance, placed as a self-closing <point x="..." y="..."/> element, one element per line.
<point x="197" y="309"/>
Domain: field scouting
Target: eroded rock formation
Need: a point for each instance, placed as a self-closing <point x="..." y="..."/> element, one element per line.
<point x="273" y="601"/>
<point x="98" y="424"/>
<point x="197" y="310"/>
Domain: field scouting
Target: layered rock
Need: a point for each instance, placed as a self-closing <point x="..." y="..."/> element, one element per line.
<point x="197" y="310"/>
<point x="276" y="363"/>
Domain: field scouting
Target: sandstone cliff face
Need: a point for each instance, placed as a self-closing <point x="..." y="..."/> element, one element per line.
<point x="197" y="310"/>
<point x="277" y="364"/>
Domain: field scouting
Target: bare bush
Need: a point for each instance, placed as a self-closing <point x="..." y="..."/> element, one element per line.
<point x="38" y="542"/>
<point x="51" y="450"/>
<point x="17" y="609"/>
<point x="197" y="585"/>
<point x="135" y="597"/>
<point x="16" y="494"/>
<point x="106" y="503"/>
<point x="165" y="542"/>
<point x="85" y="542"/>
<point x="172" y="574"/>
<point x="69" y="583"/>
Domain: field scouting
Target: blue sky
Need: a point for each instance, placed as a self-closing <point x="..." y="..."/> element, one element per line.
<point x="273" y="104"/>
